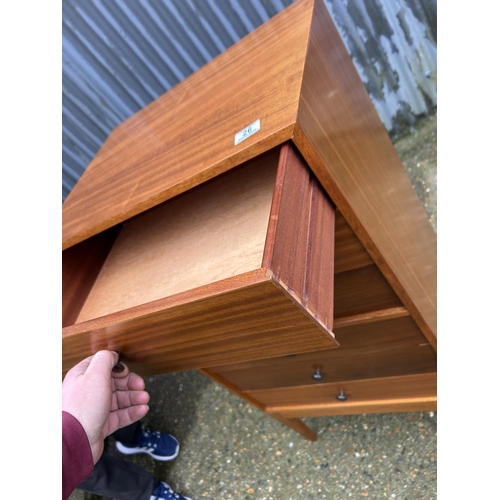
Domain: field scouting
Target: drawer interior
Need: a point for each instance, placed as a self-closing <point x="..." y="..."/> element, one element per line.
<point x="213" y="232"/>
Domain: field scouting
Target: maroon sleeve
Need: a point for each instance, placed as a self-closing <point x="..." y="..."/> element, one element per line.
<point x="77" y="462"/>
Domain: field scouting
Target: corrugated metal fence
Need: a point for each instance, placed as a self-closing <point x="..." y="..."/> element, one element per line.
<point x="119" y="55"/>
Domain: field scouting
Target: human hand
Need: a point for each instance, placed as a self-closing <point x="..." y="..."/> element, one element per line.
<point x="101" y="399"/>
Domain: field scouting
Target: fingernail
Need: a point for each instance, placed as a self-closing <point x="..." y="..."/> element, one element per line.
<point x="118" y="368"/>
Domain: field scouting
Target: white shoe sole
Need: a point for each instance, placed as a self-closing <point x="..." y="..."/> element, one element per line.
<point x="133" y="451"/>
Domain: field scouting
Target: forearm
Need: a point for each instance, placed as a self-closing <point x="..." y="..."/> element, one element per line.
<point x="77" y="462"/>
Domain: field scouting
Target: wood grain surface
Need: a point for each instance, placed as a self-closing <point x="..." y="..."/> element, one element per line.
<point x="81" y="265"/>
<point x="212" y="232"/>
<point x="390" y="394"/>
<point x="371" y="317"/>
<point x="349" y="251"/>
<point x="399" y="404"/>
<point x="237" y="319"/>
<point x="300" y="240"/>
<point x="363" y="290"/>
<point x="340" y="135"/>
<point x="186" y="136"/>
<point x="384" y="349"/>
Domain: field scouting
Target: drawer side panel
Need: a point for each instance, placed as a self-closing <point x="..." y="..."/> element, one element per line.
<point x="301" y="236"/>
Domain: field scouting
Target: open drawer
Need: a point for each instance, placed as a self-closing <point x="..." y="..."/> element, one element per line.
<point x="239" y="268"/>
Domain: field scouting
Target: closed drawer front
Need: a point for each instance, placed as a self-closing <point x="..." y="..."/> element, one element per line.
<point x="403" y="393"/>
<point x="379" y="349"/>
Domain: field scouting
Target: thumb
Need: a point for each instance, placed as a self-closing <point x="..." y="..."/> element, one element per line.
<point x="102" y="363"/>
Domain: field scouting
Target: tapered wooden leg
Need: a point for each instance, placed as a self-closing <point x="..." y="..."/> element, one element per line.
<point x="297" y="425"/>
<point x="294" y="423"/>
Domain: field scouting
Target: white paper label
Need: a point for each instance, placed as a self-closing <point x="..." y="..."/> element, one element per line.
<point x="247" y="132"/>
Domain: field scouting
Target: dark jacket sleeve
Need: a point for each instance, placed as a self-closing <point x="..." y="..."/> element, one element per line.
<point x="77" y="462"/>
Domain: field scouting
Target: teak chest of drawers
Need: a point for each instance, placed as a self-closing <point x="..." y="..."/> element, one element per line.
<point x="255" y="223"/>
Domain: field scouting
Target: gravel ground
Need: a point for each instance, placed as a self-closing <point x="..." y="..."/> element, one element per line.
<point x="418" y="152"/>
<point x="231" y="450"/>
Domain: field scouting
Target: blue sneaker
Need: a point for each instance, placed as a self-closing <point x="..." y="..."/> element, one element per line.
<point x="164" y="492"/>
<point x="159" y="445"/>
